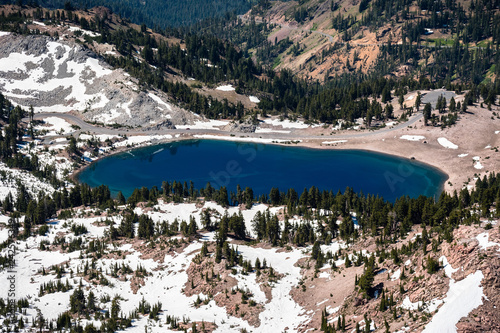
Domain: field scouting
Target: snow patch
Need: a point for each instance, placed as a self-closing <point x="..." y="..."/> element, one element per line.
<point x="462" y="297"/>
<point x="396" y="275"/>
<point x="448" y="270"/>
<point x="413" y="137"/>
<point x="139" y="139"/>
<point x="446" y="143"/>
<point x="160" y="101"/>
<point x="225" y="88"/>
<point x="56" y="126"/>
<point x="477" y="164"/>
<point x="100" y="137"/>
<point x="210" y="124"/>
<point x="333" y="142"/>
<point x="242" y="139"/>
<point x="37" y="81"/>
<point x="484" y="243"/>
<point x="282" y="311"/>
<point x="84" y="32"/>
<point x="286" y="123"/>
<point x="254" y="99"/>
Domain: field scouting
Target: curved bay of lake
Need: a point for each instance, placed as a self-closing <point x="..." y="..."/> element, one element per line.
<point x="262" y="167"/>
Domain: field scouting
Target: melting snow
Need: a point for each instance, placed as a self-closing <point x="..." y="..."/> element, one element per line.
<point x="56" y="126"/>
<point x="254" y="99"/>
<point x="37" y="80"/>
<point x="484" y="243"/>
<point x="413" y="137"/>
<point x="100" y="137"/>
<point x="134" y="140"/>
<point x="396" y="275"/>
<point x="240" y="139"/>
<point x="286" y="123"/>
<point x="85" y="32"/>
<point x="210" y="124"/>
<point x="478" y="164"/>
<point x="226" y="88"/>
<point x="282" y="311"/>
<point x="160" y="101"/>
<point x="446" y="143"/>
<point x="462" y="297"/>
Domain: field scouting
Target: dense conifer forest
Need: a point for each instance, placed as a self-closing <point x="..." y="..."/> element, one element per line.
<point x="154" y="13"/>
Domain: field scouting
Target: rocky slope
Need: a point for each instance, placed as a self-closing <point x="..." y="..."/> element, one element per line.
<point x="283" y="292"/>
<point x="59" y="75"/>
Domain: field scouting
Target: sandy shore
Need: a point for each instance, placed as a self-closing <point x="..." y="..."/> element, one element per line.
<point x="476" y="134"/>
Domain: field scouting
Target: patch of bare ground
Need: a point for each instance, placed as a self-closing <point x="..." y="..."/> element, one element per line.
<point x="327" y="289"/>
<point x="136" y="282"/>
<point x="158" y="249"/>
<point x="210" y="280"/>
<point x="200" y="326"/>
<point x="231" y="96"/>
<point x="334" y="290"/>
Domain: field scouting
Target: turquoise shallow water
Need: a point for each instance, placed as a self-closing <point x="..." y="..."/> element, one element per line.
<point x="261" y="167"/>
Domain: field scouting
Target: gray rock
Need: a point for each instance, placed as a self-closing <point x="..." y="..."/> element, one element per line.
<point x="245" y="127"/>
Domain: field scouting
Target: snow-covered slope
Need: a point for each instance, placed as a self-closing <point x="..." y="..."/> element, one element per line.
<point x="60" y="76"/>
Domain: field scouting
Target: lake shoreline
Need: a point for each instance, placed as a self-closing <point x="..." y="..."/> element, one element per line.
<point x="392" y="169"/>
<point x="462" y="164"/>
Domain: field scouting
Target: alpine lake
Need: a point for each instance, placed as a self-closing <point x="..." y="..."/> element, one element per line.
<point x="262" y="167"/>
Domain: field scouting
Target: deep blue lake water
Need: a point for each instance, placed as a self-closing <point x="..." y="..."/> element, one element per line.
<point x="261" y="167"/>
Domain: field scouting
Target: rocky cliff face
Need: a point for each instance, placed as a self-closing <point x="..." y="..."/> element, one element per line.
<point x="55" y="75"/>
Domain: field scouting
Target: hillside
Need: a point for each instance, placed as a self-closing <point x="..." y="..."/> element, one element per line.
<point x="87" y="71"/>
<point x="79" y="85"/>
<point x="107" y="266"/>
<point x="156" y="13"/>
<point x="324" y="39"/>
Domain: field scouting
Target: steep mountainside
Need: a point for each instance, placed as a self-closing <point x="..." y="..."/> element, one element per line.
<point x="157" y="13"/>
<point x="61" y="76"/>
<point x="323" y="39"/>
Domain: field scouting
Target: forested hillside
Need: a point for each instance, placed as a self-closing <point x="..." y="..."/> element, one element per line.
<point x="209" y="55"/>
<point x="156" y="13"/>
